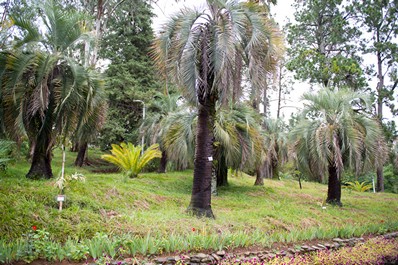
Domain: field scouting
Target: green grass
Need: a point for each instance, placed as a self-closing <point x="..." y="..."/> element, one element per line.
<point x="151" y="209"/>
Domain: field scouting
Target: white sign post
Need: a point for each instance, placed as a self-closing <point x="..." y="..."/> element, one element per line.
<point x="60" y="199"/>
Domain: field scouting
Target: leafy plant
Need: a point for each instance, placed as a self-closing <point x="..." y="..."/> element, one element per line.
<point x="5" y="153"/>
<point x="359" y="186"/>
<point x="128" y="158"/>
<point x="64" y="180"/>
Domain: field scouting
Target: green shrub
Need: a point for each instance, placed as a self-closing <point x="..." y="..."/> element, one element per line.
<point x="128" y="157"/>
<point x="357" y="186"/>
<point x="6" y="148"/>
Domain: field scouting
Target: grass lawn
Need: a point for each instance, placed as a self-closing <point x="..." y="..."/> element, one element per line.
<point x="153" y="206"/>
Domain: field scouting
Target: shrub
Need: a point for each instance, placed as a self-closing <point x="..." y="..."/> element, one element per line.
<point x="128" y="157"/>
<point x="357" y="186"/>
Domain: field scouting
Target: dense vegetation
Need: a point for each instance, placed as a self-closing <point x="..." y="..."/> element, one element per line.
<point x="192" y="103"/>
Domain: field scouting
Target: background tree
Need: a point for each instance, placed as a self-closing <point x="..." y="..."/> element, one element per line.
<point x="130" y="74"/>
<point x="334" y="135"/>
<point x="321" y="44"/>
<point x="42" y="85"/>
<point x="378" y="19"/>
<point x="199" y="48"/>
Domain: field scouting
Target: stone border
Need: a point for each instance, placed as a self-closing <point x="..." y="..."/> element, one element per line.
<point x="257" y="256"/>
<point x="216" y="257"/>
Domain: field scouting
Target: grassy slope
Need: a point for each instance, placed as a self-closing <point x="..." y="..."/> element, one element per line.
<point x="156" y="204"/>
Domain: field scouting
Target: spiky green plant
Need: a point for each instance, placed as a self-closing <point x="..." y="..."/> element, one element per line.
<point x="359" y="186"/>
<point x="128" y="157"/>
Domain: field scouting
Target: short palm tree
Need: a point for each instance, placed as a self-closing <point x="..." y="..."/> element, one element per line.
<point x="334" y="134"/>
<point x="275" y="152"/>
<point x="130" y="158"/>
<point x="155" y="125"/>
<point x="199" y="48"/>
<point x="45" y="90"/>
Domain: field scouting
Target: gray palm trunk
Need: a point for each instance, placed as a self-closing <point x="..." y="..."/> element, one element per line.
<point x="200" y="204"/>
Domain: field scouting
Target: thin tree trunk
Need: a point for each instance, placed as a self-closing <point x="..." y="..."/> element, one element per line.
<point x="334" y="187"/>
<point x="81" y="158"/>
<point x="163" y="163"/>
<point x="380" y="179"/>
<point x="222" y="172"/>
<point x="279" y="92"/>
<point x="200" y="204"/>
<point x="380" y="99"/>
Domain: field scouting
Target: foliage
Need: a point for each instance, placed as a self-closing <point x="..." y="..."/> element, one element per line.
<point x="46" y="92"/>
<point x="106" y="205"/>
<point x="5" y="153"/>
<point x="379" y="25"/>
<point x="322" y="49"/>
<point x="373" y="251"/>
<point x="357" y="186"/>
<point x="129" y="158"/>
<point x="333" y="131"/>
<point x="390" y="179"/>
<point x="130" y="75"/>
<point x="63" y="181"/>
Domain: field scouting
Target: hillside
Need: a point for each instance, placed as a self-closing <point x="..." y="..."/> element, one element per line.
<point x="153" y="206"/>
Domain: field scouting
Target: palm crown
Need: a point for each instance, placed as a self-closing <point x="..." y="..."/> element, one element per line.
<point x="46" y="90"/>
<point x="336" y="134"/>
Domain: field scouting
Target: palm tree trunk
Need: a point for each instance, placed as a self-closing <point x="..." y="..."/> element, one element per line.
<point x="200" y="204"/>
<point x="81" y="157"/>
<point x="259" y="176"/>
<point x="163" y="163"/>
<point x="380" y="179"/>
<point x="41" y="158"/>
<point x="222" y="172"/>
<point x="334" y="187"/>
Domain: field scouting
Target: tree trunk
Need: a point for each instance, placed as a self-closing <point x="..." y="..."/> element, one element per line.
<point x="163" y="163"/>
<point x="75" y="147"/>
<point x="380" y="99"/>
<point x="380" y="179"/>
<point x="259" y="176"/>
<point x="334" y="187"/>
<point x="200" y="204"/>
<point x="222" y="172"/>
<point x="81" y="158"/>
<point x="41" y="158"/>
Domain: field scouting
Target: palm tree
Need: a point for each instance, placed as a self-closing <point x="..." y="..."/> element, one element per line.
<point x="155" y="125"/>
<point x="335" y="134"/>
<point x="276" y="151"/>
<point x="199" y="48"/>
<point x="45" y="89"/>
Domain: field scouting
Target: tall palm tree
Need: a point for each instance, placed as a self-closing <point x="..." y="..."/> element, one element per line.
<point x="336" y="134"/>
<point x="46" y="90"/>
<point x="199" y="49"/>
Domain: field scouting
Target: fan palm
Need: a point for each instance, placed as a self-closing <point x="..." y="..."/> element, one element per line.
<point x="155" y="125"/>
<point x="237" y="138"/>
<point x="45" y="90"/>
<point x="335" y="135"/>
<point x="199" y="49"/>
<point x="276" y="153"/>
